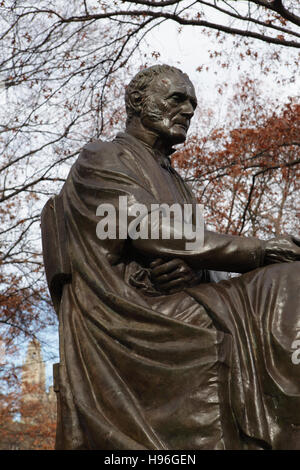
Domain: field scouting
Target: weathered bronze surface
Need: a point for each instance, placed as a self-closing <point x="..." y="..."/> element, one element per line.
<point x="153" y="355"/>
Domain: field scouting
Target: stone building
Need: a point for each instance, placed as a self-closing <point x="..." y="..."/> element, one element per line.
<point x="34" y="428"/>
<point x="34" y="376"/>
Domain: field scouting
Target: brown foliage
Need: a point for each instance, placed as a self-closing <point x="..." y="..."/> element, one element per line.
<point x="27" y="418"/>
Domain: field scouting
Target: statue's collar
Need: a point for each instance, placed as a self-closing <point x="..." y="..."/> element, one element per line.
<point x="135" y="140"/>
<point x="162" y="159"/>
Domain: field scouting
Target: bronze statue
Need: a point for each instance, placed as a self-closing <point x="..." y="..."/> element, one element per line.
<point x="154" y="355"/>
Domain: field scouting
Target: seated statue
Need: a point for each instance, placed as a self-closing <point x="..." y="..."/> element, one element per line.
<point x="153" y="354"/>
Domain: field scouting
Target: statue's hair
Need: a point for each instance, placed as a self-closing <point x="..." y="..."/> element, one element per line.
<point x="142" y="80"/>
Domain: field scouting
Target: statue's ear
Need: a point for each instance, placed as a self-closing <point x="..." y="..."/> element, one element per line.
<point x="135" y="100"/>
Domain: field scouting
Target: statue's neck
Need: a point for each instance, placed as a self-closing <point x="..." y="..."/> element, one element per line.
<point x="148" y="137"/>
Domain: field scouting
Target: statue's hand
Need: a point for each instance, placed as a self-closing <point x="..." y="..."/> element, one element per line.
<point x="172" y="276"/>
<point x="282" y="250"/>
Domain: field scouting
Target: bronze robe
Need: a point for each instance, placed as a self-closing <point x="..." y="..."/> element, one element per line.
<point x="206" y="368"/>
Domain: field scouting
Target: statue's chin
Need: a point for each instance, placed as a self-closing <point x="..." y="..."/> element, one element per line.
<point x="177" y="138"/>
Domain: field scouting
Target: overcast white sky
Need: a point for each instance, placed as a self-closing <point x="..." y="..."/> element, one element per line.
<point x="190" y="49"/>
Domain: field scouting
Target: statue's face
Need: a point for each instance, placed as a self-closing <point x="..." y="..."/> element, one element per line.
<point x="169" y="107"/>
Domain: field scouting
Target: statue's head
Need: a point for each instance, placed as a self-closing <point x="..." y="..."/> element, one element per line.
<point x="163" y="100"/>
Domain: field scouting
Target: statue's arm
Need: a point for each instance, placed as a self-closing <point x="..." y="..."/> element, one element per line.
<point x="222" y="252"/>
<point x="218" y="252"/>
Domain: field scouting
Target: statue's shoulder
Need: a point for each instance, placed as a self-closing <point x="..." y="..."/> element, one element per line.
<point x="97" y="153"/>
<point x="117" y="154"/>
<point x="99" y="147"/>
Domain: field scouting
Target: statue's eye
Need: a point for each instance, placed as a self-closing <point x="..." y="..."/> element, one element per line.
<point x="177" y="97"/>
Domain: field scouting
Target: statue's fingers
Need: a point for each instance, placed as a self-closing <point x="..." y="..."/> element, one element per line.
<point x="165" y="278"/>
<point x="180" y="282"/>
<point x="156" y="262"/>
<point x="166" y="267"/>
<point x="179" y="273"/>
<point x="183" y="269"/>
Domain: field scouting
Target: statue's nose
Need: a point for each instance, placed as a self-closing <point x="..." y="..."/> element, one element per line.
<point x="187" y="109"/>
